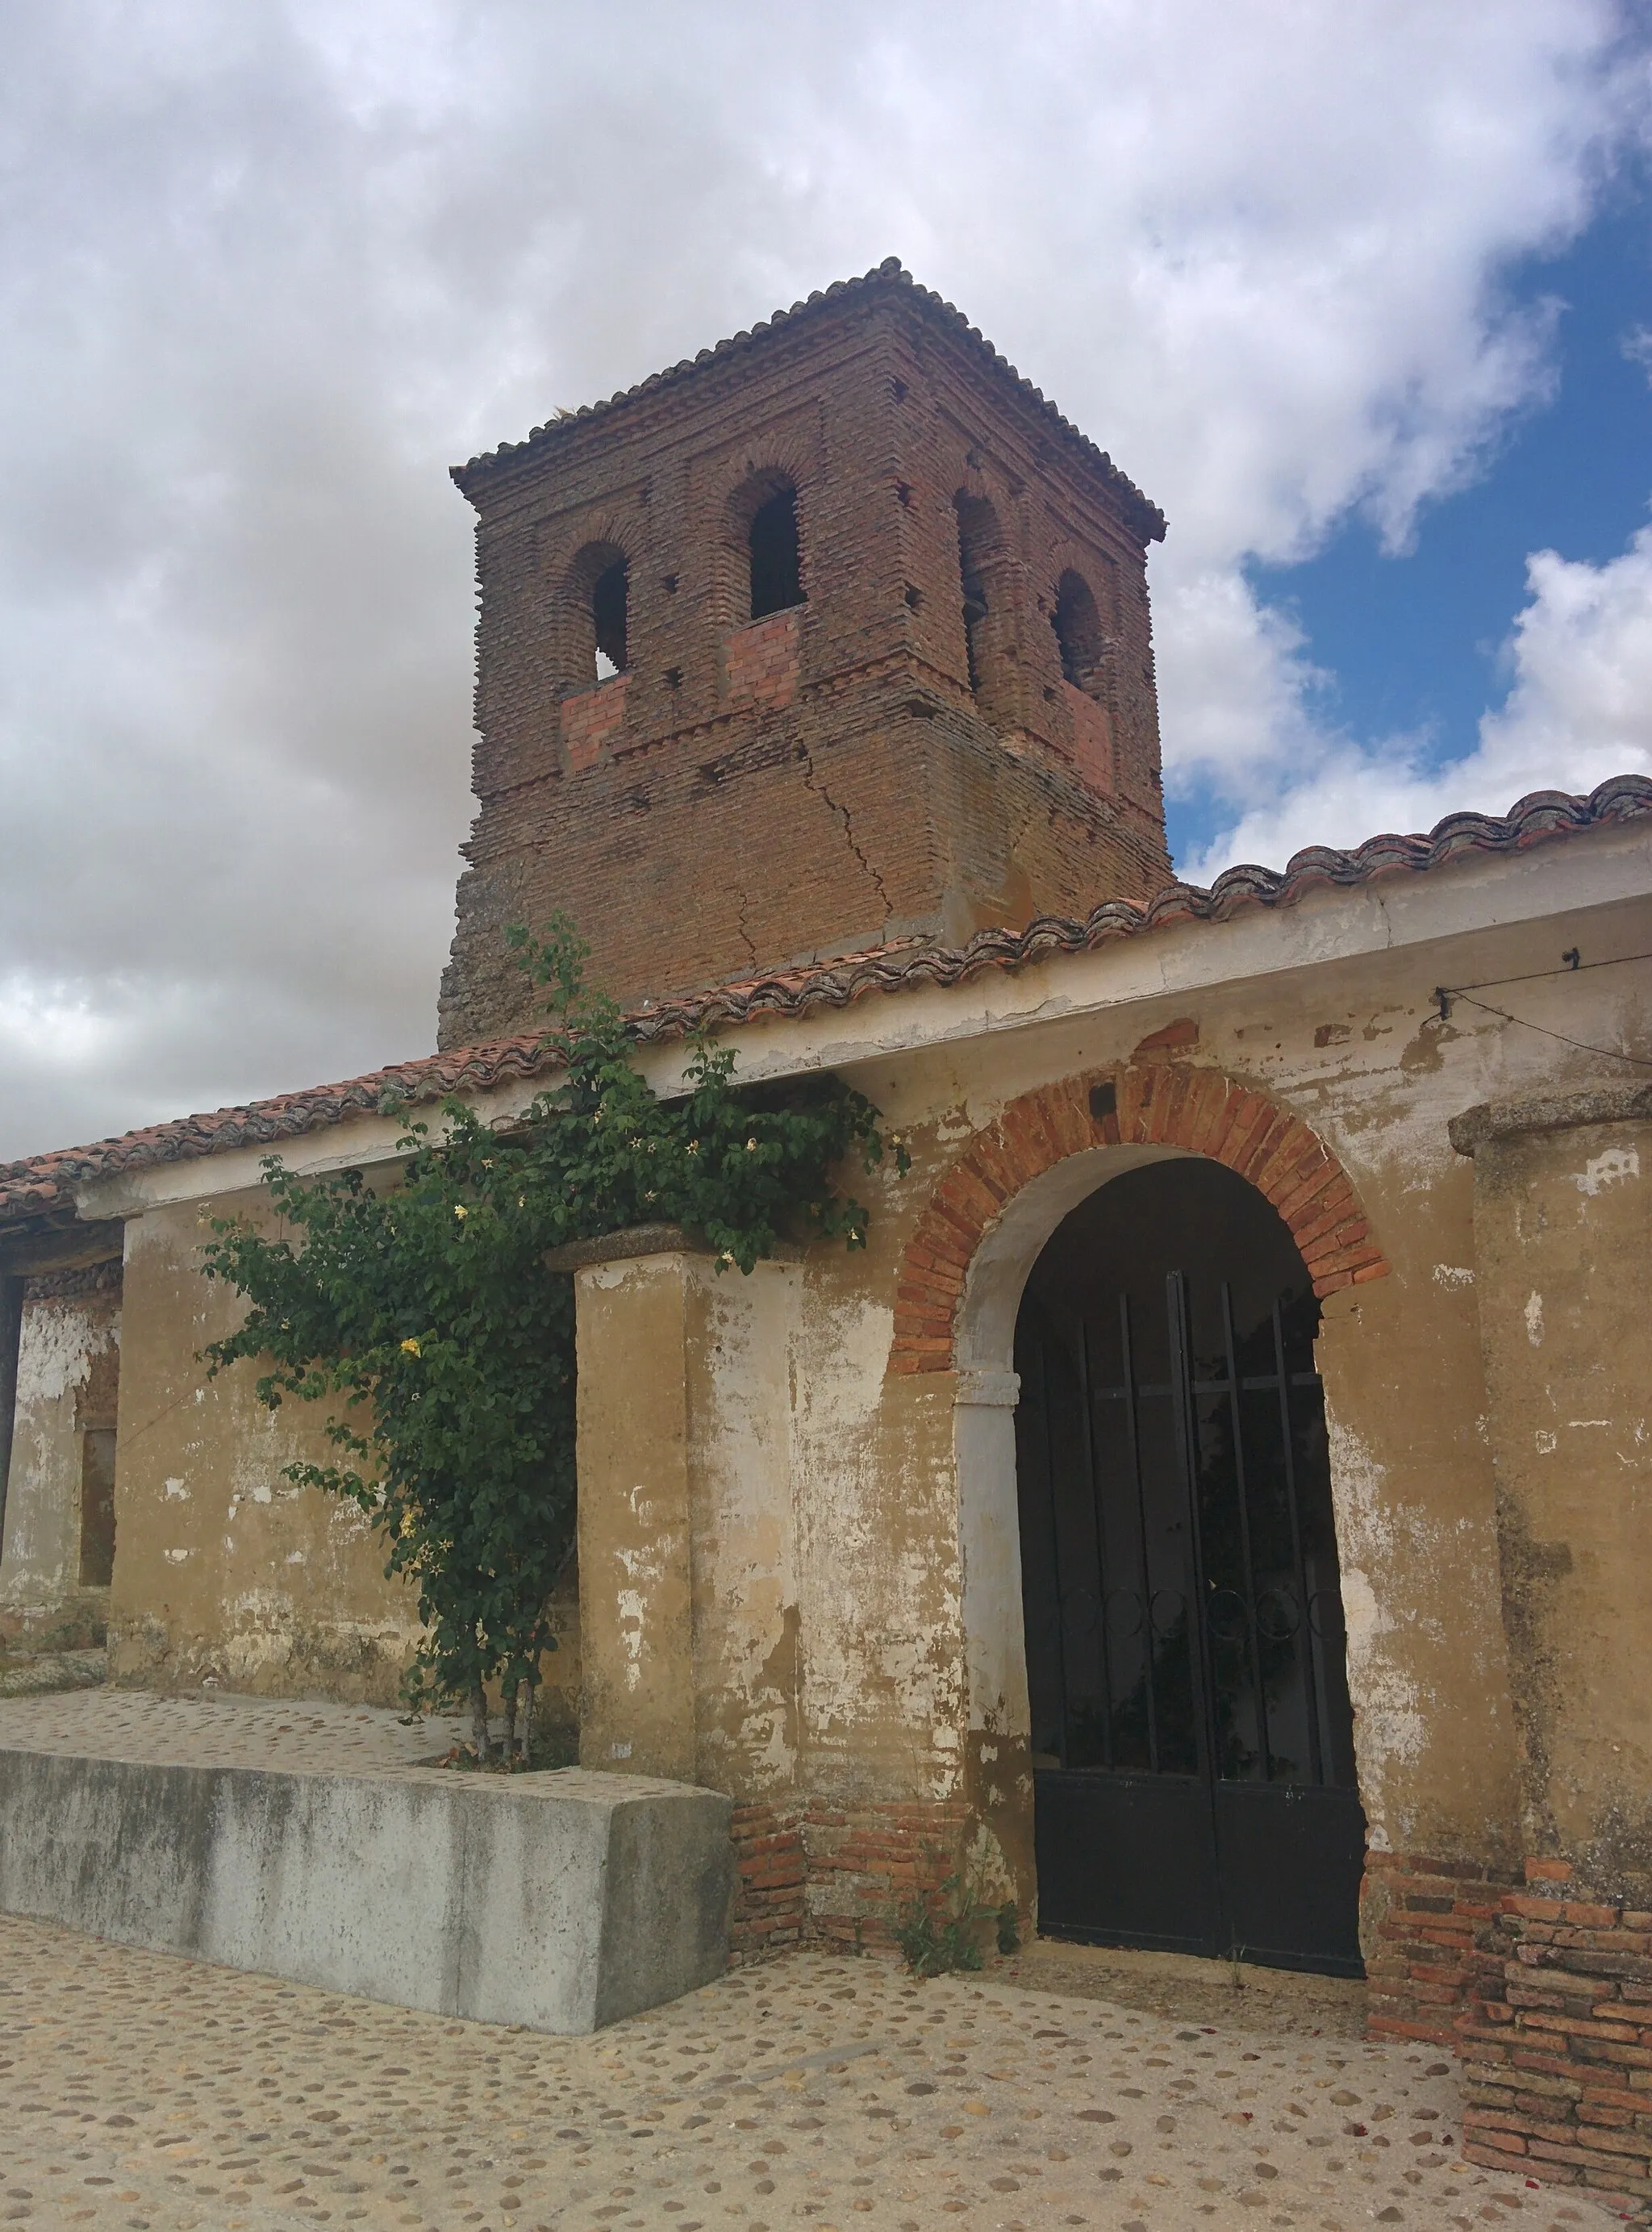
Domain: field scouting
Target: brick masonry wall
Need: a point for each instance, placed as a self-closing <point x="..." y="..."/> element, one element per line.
<point x="1556" y="2042"/>
<point x="1153" y="1101"/>
<point x="761" y="660"/>
<point x="826" y="779"/>
<point x="771" y="1908"/>
<point x="836" y="1875"/>
<point x="1091" y="739"/>
<point x="594" y="719"/>
<point x="1419" y="1921"/>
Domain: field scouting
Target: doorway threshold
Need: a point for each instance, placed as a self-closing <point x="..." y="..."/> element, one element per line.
<point x="1182" y="1987"/>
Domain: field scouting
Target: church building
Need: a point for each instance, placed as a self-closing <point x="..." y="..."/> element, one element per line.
<point x="1216" y="1502"/>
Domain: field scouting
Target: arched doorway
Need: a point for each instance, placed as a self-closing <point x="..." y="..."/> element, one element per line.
<point x="1191" y="1732"/>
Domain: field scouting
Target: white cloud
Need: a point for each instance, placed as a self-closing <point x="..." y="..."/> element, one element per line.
<point x="1636" y="345"/>
<point x="1581" y="705"/>
<point x="1579" y="709"/>
<point x="265" y="271"/>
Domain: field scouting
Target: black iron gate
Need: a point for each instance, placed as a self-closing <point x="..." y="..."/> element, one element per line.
<point x="1193" y="1741"/>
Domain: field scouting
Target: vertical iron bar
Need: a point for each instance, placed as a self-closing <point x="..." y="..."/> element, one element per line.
<point x="1133" y="1427"/>
<point x="1101" y="1562"/>
<point x="1055" y="1534"/>
<point x="1309" y="1675"/>
<point x="1252" y="1636"/>
<point x="1186" y="1434"/>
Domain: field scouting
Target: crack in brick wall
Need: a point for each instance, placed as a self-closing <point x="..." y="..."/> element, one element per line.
<point x="643" y="805"/>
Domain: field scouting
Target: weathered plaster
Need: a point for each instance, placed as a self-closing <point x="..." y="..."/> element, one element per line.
<point x="224" y="1570"/>
<point x="68" y="1358"/>
<point x="811" y="1566"/>
<point x="1564" y="1231"/>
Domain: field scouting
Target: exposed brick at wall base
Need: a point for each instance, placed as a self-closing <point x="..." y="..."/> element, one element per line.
<point x="866" y="1863"/>
<point x="841" y="1875"/>
<point x="1556" y="2043"/>
<point x="770" y="1910"/>
<point x="1424" y="1915"/>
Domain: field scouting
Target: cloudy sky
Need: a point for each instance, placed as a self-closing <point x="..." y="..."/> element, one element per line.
<point x="1360" y="291"/>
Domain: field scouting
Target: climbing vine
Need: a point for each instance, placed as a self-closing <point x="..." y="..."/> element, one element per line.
<point x="424" y="1308"/>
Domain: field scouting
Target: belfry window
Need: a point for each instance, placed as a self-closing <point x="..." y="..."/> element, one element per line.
<point x="610" y="597"/>
<point x="1077" y="633"/>
<point x="974" y="528"/>
<point x="776" y="557"/>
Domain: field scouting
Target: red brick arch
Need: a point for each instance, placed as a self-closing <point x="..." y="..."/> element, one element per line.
<point x="1155" y="1104"/>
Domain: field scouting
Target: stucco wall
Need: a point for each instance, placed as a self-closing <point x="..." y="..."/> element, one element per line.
<point x="1413" y="1477"/>
<point x="1564" y="1237"/>
<point x="851" y="1634"/>
<point x="855" y="1621"/>
<point x="224" y="1570"/>
<point x="852" y="1665"/>
<point x="67" y="1372"/>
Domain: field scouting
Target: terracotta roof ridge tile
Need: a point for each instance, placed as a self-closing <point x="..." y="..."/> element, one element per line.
<point x="40" y="1185"/>
<point x="890" y="274"/>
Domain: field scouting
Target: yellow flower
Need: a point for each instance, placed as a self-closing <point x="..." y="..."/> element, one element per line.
<point x="459" y="1210"/>
<point x="411" y="1347"/>
<point x="751" y="1147"/>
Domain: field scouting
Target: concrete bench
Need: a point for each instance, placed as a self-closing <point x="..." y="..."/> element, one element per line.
<point x="560" y="1901"/>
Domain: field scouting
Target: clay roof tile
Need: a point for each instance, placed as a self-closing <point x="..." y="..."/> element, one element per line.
<point x="1146" y="517"/>
<point x="44" y="1185"/>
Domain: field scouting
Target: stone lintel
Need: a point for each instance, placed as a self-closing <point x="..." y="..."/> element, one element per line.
<point x="63" y="1247"/>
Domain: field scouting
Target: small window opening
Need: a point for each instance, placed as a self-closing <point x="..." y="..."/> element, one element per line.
<point x="97" y="1507"/>
<point x="971" y="528"/>
<point x="610" y="596"/>
<point x="776" y="560"/>
<point x="1077" y="633"/>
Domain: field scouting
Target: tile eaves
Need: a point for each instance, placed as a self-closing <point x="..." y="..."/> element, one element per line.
<point x="42" y="1188"/>
<point x="889" y="276"/>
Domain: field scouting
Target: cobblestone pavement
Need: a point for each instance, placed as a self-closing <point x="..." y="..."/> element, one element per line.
<point x="205" y="1729"/>
<point x="23" y="1674"/>
<point x="141" y="2092"/>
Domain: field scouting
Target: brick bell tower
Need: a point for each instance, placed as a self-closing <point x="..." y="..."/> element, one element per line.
<point x="835" y="636"/>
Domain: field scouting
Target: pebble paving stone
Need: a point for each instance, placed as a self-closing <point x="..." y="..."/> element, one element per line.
<point x="143" y="2092"/>
<point x="23" y="1674"/>
<point x="224" y="1729"/>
